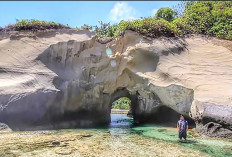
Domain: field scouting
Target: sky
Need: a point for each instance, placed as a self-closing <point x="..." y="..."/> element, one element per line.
<point x="77" y="13"/>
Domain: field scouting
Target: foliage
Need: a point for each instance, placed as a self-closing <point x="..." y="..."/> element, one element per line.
<point x="209" y="18"/>
<point x="147" y="26"/>
<point x="106" y="30"/>
<point x="179" y="8"/>
<point x="34" y="25"/>
<point x="122" y="103"/>
<point x="86" y="27"/>
<point x="212" y="18"/>
<point x="198" y="15"/>
<point x="166" y="14"/>
<point x="152" y="28"/>
<point x="182" y="26"/>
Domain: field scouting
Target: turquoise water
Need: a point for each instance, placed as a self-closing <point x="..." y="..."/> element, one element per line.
<point x="120" y="139"/>
<point x="123" y="125"/>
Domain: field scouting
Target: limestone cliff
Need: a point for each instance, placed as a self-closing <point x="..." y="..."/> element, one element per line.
<point x="62" y="79"/>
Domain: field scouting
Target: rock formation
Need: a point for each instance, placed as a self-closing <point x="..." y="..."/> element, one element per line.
<point x="63" y="79"/>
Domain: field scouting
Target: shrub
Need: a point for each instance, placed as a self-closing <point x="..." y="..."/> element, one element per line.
<point x="34" y="25"/>
<point x="182" y="26"/>
<point x="86" y="27"/>
<point x="106" y="30"/>
<point x="150" y="27"/>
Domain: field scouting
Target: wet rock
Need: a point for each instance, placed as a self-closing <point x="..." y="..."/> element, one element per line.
<point x="87" y="135"/>
<point x="56" y="143"/>
<point x="4" y="128"/>
<point x="216" y="130"/>
<point x="212" y="119"/>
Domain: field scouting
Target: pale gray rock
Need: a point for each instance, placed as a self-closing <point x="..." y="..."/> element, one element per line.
<point x="54" y="80"/>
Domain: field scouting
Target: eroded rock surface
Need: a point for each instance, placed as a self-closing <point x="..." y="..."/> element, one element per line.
<point x="65" y="79"/>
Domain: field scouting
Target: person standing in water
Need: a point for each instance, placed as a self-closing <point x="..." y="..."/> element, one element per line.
<point x="182" y="127"/>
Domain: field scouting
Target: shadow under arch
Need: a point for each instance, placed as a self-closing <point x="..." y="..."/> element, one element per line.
<point x="162" y="115"/>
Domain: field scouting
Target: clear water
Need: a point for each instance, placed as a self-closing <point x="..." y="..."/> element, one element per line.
<point x="122" y="125"/>
<point x="120" y="139"/>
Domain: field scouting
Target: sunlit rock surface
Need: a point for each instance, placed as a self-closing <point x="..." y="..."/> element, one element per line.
<point x="63" y="79"/>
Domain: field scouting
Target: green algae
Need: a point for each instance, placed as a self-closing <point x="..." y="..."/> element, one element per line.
<point x="211" y="146"/>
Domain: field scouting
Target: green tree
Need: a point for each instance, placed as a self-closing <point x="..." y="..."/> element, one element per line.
<point x="210" y="18"/>
<point x="166" y="13"/>
<point x="122" y="103"/>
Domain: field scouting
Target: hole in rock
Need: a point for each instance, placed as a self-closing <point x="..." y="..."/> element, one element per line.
<point x="121" y="114"/>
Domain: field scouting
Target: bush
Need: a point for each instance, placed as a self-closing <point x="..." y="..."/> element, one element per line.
<point x="182" y="26"/>
<point x="106" y="30"/>
<point x="86" y="27"/>
<point x="34" y="25"/>
<point x="150" y="27"/>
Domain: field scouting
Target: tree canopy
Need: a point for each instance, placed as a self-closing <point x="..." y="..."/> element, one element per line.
<point x="166" y="14"/>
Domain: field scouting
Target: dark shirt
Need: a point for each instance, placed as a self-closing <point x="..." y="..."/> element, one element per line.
<point x="182" y="124"/>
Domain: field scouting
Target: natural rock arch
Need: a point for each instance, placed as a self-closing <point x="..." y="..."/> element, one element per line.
<point x="70" y="75"/>
<point x="124" y="93"/>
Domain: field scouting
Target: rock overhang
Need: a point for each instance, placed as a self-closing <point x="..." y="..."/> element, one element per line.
<point x="85" y="81"/>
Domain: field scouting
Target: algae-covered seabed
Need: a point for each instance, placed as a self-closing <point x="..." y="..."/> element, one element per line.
<point x="120" y="139"/>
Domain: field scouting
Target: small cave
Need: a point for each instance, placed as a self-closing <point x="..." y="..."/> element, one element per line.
<point x="162" y="115"/>
<point x="167" y="116"/>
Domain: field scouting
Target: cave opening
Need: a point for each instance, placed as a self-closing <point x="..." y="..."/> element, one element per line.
<point x="121" y="109"/>
<point x="125" y="109"/>
<point x="169" y="117"/>
<point x="121" y="113"/>
<point x="121" y="106"/>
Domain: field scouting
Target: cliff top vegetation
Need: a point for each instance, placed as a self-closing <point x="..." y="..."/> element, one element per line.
<point x="213" y="18"/>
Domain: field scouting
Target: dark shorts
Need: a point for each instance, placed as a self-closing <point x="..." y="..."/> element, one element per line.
<point x="182" y="134"/>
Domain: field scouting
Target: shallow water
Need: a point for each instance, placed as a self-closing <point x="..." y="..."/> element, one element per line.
<point x="210" y="146"/>
<point x="120" y="138"/>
